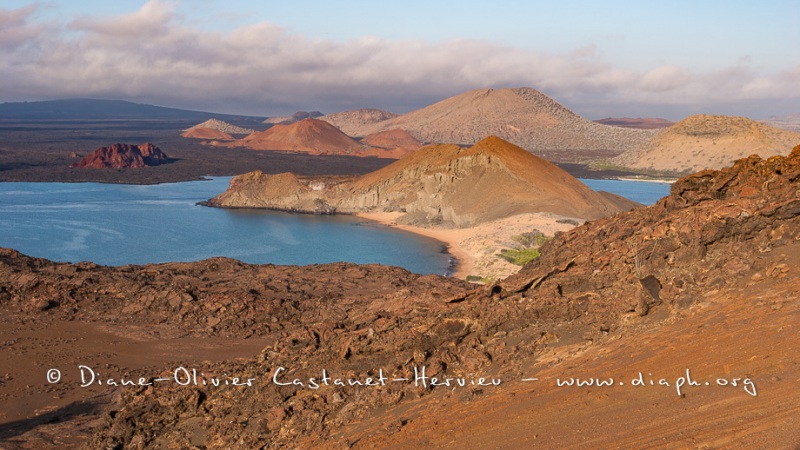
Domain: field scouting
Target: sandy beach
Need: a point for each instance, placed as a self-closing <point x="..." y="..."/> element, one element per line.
<point x="452" y="237"/>
<point x="476" y="248"/>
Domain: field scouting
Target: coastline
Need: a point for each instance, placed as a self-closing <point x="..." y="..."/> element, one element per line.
<point x="476" y="249"/>
<point x="647" y="180"/>
<point x="451" y="238"/>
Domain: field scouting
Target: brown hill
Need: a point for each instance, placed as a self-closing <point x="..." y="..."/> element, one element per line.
<point x="639" y="122"/>
<point x="214" y="129"/>
<point x="206" y="133"/>
<point x="351" y="122"/>
<point x="688" y="309"/>
<point x="522" y="116"/>
<point x="123" y="156"/>
<point x="392" y="139"/>
<point x="307" y="136"/>
<point x="436" y="184"/>
<point x="709" y="142"/>
<point x="315" y="137"/>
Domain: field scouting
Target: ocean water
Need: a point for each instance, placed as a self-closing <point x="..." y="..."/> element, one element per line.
<point x="114" y="224"/>
<point x="644" y="192"/>
<point x="128" y="224"/>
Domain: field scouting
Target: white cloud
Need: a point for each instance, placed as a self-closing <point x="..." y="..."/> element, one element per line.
<point x="664" y="79"/>
<point x="152" y="55"/>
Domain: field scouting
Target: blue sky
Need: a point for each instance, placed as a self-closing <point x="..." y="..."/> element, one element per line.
<point x="613" y="58"/>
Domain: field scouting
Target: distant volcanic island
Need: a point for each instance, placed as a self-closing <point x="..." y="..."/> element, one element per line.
<point x="124" y="156"/>
<point x="524" y="117"/>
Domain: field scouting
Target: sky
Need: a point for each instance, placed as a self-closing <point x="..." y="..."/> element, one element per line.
<point x="600" y="59"/>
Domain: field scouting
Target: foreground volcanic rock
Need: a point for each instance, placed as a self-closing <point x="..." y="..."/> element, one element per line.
<point x="696" y="296"/>
<point x="436" y="184"/>
<point x="124" y="156"/>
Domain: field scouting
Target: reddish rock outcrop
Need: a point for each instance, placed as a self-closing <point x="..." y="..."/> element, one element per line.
<point x="124" y="156"/>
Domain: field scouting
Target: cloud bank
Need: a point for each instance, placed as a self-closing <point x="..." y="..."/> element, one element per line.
<point x="151" y="55"/>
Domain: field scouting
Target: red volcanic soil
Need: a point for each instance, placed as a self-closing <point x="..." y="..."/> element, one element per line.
<point x="123" y="156"/>
<point x="317" y="137"/>
<point x="308" y="136"/>
<point x="205" y="133"/>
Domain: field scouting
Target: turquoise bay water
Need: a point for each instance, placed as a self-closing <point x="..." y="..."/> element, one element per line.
<point x="128" y="224"/>
<point x="113" y="224"/>
<point x="644" y="192"/>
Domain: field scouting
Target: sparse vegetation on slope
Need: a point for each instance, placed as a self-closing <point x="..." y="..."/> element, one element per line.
<point x="708" y="142"/>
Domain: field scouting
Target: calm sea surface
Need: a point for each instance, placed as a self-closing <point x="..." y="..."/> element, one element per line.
<point x="127" y="224"/>
<point x="644" y="192"/>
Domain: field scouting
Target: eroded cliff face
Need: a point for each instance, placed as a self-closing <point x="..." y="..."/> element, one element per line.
<point x="720" y="255"/>
<point x="441" y="184"/>
<point x="283" y="192"/>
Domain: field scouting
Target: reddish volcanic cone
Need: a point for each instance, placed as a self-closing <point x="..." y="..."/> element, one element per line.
<point x="308" y="136"/>
<point x="205" y="133"/>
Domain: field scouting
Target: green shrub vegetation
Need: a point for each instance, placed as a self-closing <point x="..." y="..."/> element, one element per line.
<point x="533" y="238"/>
<point x="520" y="257"/>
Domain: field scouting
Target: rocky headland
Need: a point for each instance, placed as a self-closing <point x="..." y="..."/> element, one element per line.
<point x="697" y="293"/>
<point x="436" y="185"/>
<point x="474" y="199"/>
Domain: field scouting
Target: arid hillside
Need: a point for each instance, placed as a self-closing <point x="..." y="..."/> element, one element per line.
<point x="206" y="133"/>
<point x="522" y="116"/>
<point x="307" y="136"/>
<point x="215" y="129"/>
<point x="437" y="184"/>
<point x="351" y="122"/>
<point x="709" y="142"/>
<point x="392" y="139"/>
<point x="679" y="319"/>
